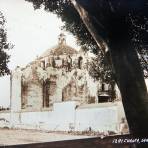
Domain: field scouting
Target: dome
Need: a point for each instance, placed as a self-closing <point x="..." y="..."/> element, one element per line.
<point x="60" y="49"/>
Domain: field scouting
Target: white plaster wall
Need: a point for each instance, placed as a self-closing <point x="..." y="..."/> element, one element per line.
<point x="64" y="115"/>
<point x="98" y="119"/>
<point x="5" y="116"/>
<point x="15" y="118"/>
<point x="56" y="120"/>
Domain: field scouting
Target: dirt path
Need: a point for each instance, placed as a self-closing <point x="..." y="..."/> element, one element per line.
<point x="14" y="137"/>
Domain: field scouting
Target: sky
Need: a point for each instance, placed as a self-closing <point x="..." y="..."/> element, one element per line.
<point x="31" y="32"/>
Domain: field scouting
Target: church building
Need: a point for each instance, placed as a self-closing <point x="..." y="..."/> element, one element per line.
<point x="60" y="74"/>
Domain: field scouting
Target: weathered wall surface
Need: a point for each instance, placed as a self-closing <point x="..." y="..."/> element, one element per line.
<point x="31" y="89"/>
<point x="5" y="116"/>
<point x="65" y="117"/>
<point x="16" y="90"/>
<point x="37" y="88"/>
<point x="34" y="96"/>
<point x="97" y="119"/>
<point x="59" y="74"/>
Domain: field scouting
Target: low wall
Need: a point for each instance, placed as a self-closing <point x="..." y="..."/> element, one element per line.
<point x="66" y="117"/>
<point x="97" y="119"/>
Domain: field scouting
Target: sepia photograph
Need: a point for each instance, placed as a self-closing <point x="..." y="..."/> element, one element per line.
<point x="74" y="73"/>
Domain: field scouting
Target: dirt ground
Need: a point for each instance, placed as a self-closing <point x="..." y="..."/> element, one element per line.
<point x="14" y="137"/>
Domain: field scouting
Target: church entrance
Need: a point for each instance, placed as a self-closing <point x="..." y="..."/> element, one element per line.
<point x="49" y="89"/>
<point x="46" y="94"/>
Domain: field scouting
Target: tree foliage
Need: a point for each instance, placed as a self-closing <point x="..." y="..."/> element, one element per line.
<point x="100" y="69"/>
<point x="4" y="46"/>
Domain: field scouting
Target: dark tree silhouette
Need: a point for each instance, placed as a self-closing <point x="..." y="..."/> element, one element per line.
<point x="4" y="57"/>
<point x="119" y="29"/>
<point x="118" y="18"/>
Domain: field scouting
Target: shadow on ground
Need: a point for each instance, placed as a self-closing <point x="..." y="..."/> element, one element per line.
<point x="124" y="141"/>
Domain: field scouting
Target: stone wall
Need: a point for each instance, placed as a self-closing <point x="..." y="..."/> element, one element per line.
<point x="67" y="117"/>
<point x="34" y="96"/>
<point x="37" y="88"/>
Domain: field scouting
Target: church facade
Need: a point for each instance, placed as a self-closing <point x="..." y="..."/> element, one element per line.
<point x="60" y="74"/>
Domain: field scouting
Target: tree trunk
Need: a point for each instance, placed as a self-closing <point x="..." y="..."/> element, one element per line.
<point x="129" y="76"/>
<point x="130" y="80"/>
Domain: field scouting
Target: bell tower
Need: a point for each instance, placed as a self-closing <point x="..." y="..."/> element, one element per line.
<point x="62" y="39"/>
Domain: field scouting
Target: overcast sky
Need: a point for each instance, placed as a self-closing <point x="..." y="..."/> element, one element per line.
<point x="32" y="32"/>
